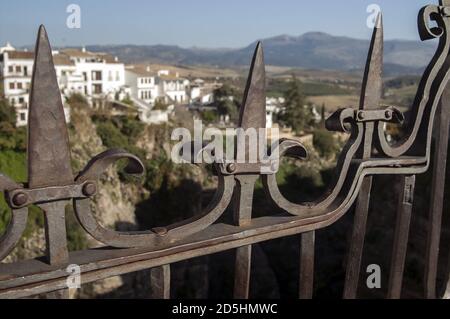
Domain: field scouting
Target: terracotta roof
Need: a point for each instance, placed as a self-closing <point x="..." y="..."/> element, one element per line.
<point x="141" y="70"/>
<point x="108" y="58"/>
<point x="20" y="55"/>
<point x="170" y="78"/>
<point x="62" y="59"/>
<point x="77" y="53"/>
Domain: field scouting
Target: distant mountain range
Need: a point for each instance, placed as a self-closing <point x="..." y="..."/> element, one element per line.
<point x="314" y="50"/>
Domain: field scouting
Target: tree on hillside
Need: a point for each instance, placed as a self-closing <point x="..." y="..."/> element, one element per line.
<point x="227" y="98"/>
<point x="296" y="113"/>
<point x="7" y="113"/>
<point x="325" y="143"/>
<point x="11" y="138"/>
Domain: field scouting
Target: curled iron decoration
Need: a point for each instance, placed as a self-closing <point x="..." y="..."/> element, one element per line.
<point x="367" y="127"/>
<point x="417" y="140"/>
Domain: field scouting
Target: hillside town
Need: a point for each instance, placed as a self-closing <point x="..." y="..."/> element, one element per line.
<point x="105" y="81"/>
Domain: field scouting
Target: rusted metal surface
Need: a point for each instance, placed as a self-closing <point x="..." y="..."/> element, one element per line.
<point x="370" y="100"/>
<point x="404" y="212"/>
<point x="437" y="195"/>
<point x="52" y="185"/>
<point x="306" y="279"/>
<point x="160" y="282"/>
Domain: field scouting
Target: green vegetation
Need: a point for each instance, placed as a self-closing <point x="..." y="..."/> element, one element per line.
<point x="13" y="164"/>
<point x="11" y="138"/>
<point x="160" y="105"/>
<point x="209" y="117"/>
<point x="127" y="101"/>
<point x="402" y="81"/>
<point x="325" y="143"/>
<point x="296" y="114"/>
<point x="228" y="98"/>
<point x="77" y="100"/>
<point x="276" y="87"/>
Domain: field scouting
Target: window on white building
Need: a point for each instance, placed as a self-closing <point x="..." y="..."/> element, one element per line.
<point x="23" y="116"/>
<point x="18" y="69"/>
<point x="12" y="86"/>
<point x="97" y="88"/>
<point x="110" y="76"/>
<point x="117" y="76"/>
<point x="96" y="75"/>
<point x="10" y="69"/>
<point x="19" y="86"/>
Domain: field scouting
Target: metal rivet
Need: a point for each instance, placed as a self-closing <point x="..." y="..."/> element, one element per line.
<point x="161" y="231"/>
<point x="231" y="168"/>
<point x="89" y="189"/>
<point x="20" y="199"/>
<point x="361" y="115"/>
<point x="388" y="114"/>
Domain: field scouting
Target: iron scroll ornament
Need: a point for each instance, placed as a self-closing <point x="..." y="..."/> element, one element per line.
<point x="52" y="185"/>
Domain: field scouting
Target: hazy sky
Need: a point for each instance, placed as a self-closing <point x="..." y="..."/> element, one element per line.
<point x="202" y="23"/>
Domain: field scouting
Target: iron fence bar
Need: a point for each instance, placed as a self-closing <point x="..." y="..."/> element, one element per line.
<point x="33" y="277"/>
<point x="48" y="154"/>
<point x="437" y="195"/>
<point x="357" y="240"/>
<point x="160" y="282"/>
<point x="370" y="101"/>
<point x="401" y="235"/>
<point x="242" y="272"/>
<point x="242" y="208"/>
<point x="306" y="279"/>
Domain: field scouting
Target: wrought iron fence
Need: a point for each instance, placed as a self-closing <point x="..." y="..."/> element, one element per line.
<point x="52" y="185"/>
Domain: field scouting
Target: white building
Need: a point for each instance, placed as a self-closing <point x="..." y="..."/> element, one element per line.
<point x="142" y="83"/>
<point x="100" y="76"/>
<point x="149" y="86"/>
<point x="172" y="88"/>
<point x="16" y="69"/>
<point x="97" y="76"/>
<point x="273" y="106"/>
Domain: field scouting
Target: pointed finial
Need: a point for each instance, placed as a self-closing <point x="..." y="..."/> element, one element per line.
<point x="379" y="22"/>
<point x="372" y="83"/>
<point x="49" y="162"/>
<point x="253" y="110"/>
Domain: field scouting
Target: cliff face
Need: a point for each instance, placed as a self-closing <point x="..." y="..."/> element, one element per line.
<point x="115" y="202"/>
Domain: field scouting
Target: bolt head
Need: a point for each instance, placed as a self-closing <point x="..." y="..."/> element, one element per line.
<point x="361" y="115"/>
<point x="20" y="199"/>
<point x="89" y="189"/>
<point x="160" y="231"/>
<point x="388" y="114"/>
<point x="231" y="168"/>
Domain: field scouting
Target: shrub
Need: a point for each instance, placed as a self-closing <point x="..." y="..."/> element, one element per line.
<point x="325" y="143"/>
